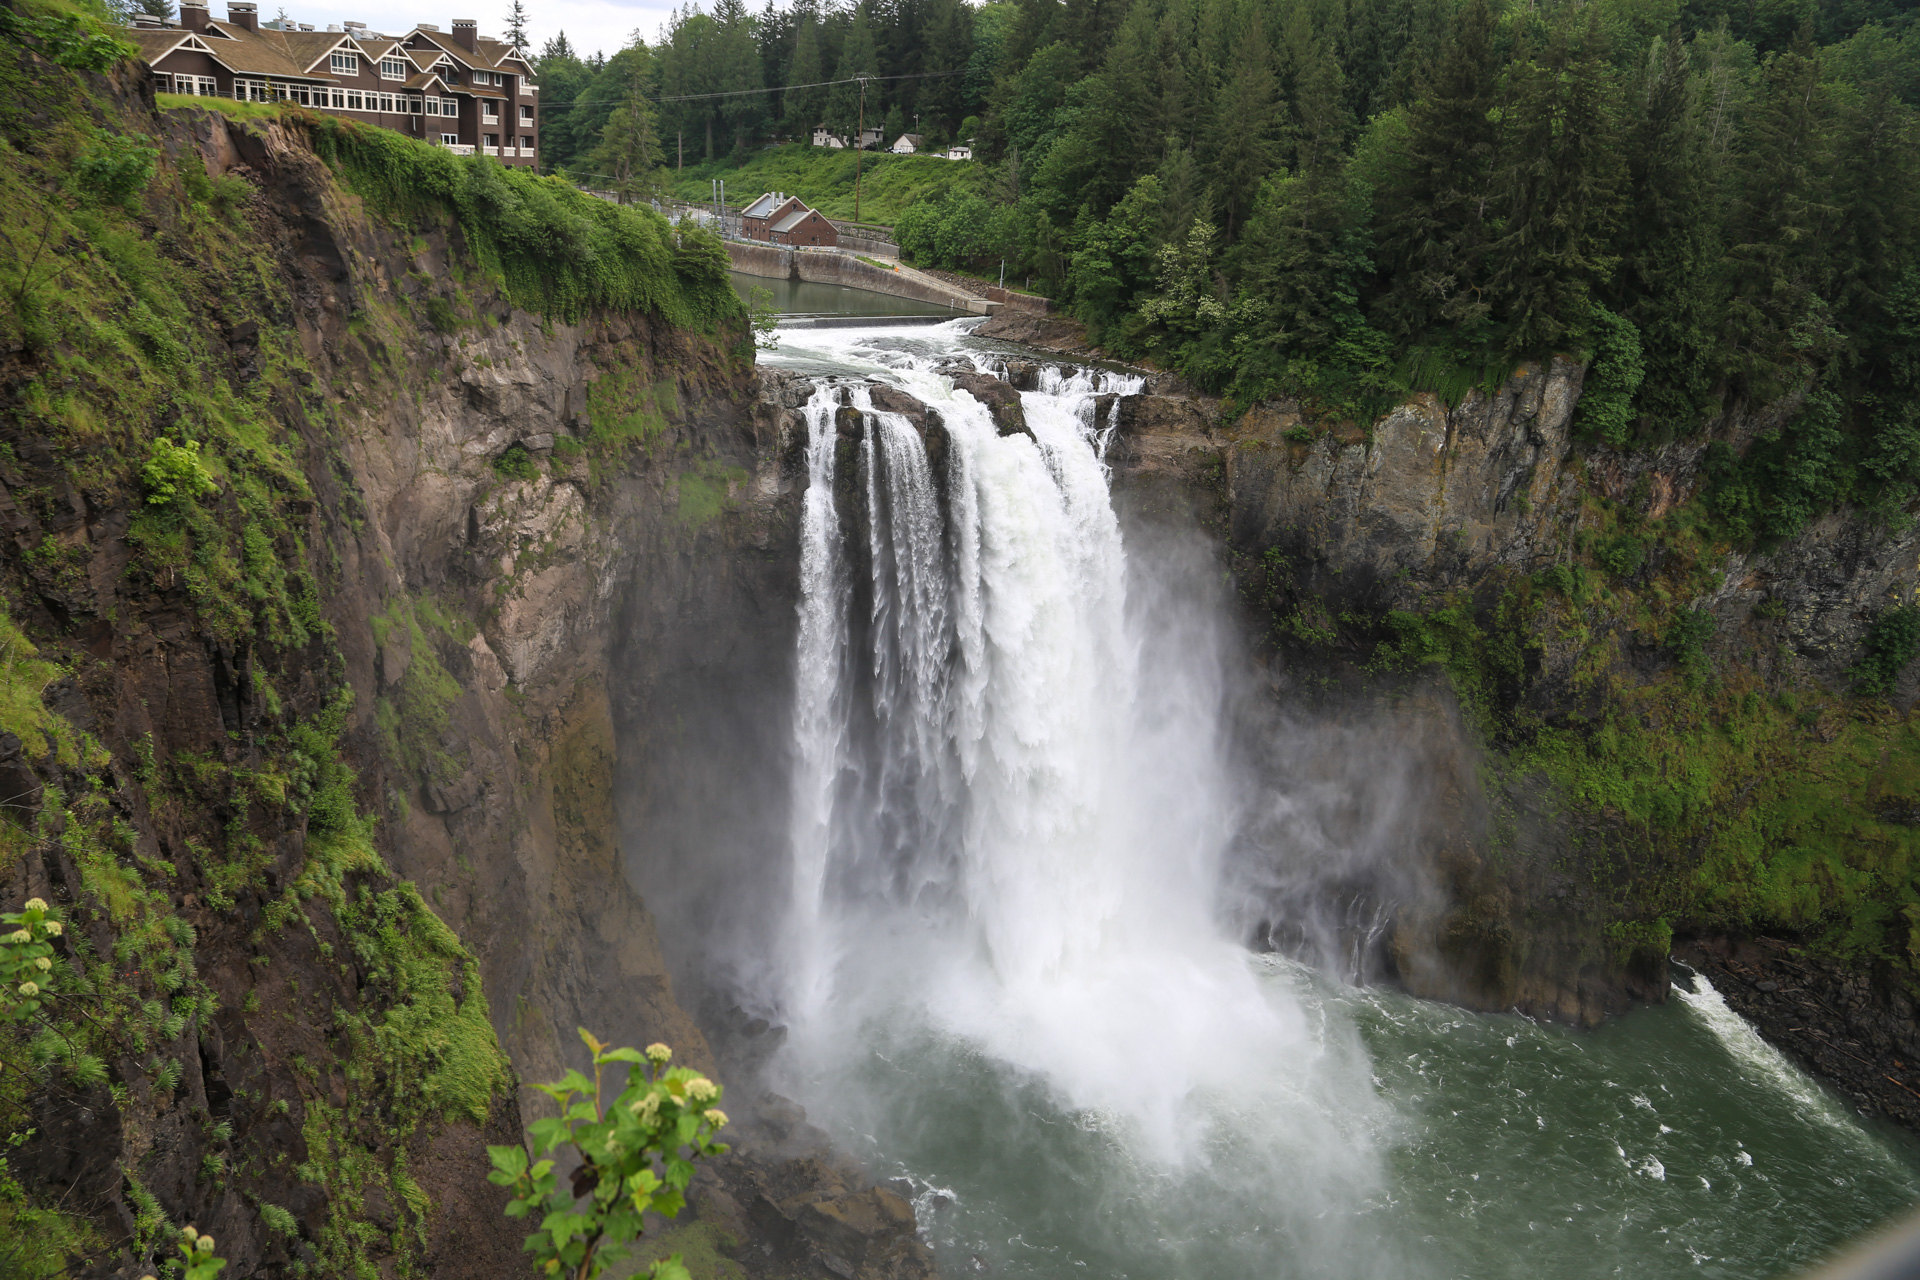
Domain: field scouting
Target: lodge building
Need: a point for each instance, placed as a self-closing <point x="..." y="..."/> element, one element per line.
<point x="456" y="89"/>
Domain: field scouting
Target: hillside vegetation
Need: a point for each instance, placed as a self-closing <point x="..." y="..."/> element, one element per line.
<point x="824" y="178"/>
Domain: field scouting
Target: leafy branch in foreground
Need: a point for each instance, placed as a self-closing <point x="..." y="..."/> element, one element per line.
<point x="631" y="1160"/>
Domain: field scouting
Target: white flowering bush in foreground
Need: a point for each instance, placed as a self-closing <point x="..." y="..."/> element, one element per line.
<point x="636" y="1154"/>
<point x="26" y="958"/>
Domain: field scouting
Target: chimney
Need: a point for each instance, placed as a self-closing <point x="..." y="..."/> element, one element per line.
<point x="466" y="31"/>
<point x="427" y="26"/>
<point x="244" y="16"/>
<point x="194" y="15"/>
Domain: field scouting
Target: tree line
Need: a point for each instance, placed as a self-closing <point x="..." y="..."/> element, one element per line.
<point x="928" y="73"/>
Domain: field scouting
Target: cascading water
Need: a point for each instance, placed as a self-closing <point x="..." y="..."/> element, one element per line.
<point x="1003" y="971"/>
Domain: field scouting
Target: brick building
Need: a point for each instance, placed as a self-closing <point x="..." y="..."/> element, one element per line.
<point x="456" y="89"/>
<point x="783" y="219"/>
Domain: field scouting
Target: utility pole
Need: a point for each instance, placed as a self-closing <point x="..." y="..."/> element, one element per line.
<point x="859" y="145"/>
<point x="679" y="150"/>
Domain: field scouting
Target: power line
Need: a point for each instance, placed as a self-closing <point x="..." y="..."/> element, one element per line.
<point x="737" y="93"/>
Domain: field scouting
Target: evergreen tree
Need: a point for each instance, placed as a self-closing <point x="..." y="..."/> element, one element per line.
<point x="1245" y="127"/>
<point x="1558" y="183"/>
<point x="1669" y="241"/>
<point x="857" y="58"/>
<point x="517" y="26"/>
<point x="1434" y="223"/>
<point x="803" y="108"/>
<point x="628" y="157"/>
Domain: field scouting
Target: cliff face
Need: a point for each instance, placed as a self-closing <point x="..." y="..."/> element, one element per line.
<point x="338" y="582"/>
<point x="1596" y="694"/>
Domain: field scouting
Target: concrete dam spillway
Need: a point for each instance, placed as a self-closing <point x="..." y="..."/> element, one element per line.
<point x="1001" y="942"/>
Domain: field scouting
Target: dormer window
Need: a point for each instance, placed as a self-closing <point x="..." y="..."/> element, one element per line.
<point x="485" y="77"/>
<point x="344" y="64"/>
<point x="393" y="69"/>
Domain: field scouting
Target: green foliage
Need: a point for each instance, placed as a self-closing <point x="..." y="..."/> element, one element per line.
<point x="1891" y="643"/>
<point x="763" y="318"/>
<point x="27" y="979"/>
<point x="79" y="42"/>
<point x="197" y="1261"/>
<point x="636" y="1151"/>
<point x="1606" y="399"/>
<point x="174" y="471"/>
<point x="552" y="248"/>
<point x="1622" y="555"/>
<point x="516" y="464"/>
<point x="890" y="185"/>
<point x="116" y="168"/>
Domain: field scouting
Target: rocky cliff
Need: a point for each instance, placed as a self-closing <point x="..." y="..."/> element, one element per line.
<point x="346" y="556"/>
<point x="1627" y="725"/>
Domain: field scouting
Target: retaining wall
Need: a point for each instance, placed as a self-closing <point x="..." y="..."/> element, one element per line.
<point x="817" y="266"/>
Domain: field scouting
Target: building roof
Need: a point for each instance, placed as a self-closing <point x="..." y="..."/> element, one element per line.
<point x="765" y="205"/>
<point x="793" y="219"/>
<point x="302" y="55"/>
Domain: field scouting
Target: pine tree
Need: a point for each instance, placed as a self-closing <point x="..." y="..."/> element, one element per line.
<point x="1434" y="224"/>
<point x="1245" y="126"/>
<point x="1669" y="242"/>
<point x="1558" y="183"/>
<point x="628" y="157"/>
<point x="517" y="26"/>
<point x="803" y="108"/>
<point x="857" y="58"/>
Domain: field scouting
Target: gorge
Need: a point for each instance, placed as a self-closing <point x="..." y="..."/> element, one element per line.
<point x="1091" y="829"/>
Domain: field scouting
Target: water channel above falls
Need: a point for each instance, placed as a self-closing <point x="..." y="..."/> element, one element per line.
<point x="1002" y="972"/>
<point x="804" y="298"/>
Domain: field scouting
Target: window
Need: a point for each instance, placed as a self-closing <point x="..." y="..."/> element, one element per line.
<point x="250" y="90"/>
<point x="337" y="99"/>
<point x="355" y="100"/>
<point x="490" y="139"/>
<point x="485" y="77"/>
<point x="526" y="114"/>
<point x="449" y="106"/>
<point x="162" y="82"/>
<point x="386" y="102"/>
<point x="344" y="64"/>
<point x="204" y="86"/>
<point x="489" y="111"/>
<point x="526" y="142"/>
<point x="393" y="69"/>
<point x="433" y="106"/>
<point x="449" y="139"/>
<point x="413" y="106"/>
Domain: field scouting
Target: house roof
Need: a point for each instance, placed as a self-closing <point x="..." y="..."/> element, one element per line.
<point x="765" y="205"/>
<point x="793" y="219"/>
<point x="486" y="55"/>
<point x="914" y="138"/>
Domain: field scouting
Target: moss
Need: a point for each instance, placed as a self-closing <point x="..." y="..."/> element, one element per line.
<point x="622" y="406"/>
<point x="415" y="715"/>
<point x="703" y="491"/>
<point x="703" y="1248"/>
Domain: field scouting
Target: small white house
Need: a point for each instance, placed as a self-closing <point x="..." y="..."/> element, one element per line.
<point x="906" y="144"/>
<point x="960" y="151"/>
<point x="823" y="138"/>
<point x="870" y="138"/>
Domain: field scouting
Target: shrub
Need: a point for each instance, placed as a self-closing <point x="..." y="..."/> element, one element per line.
<point x="174" y="471"/>
<point x="1891" y="643"/>
<point x="631" y="1160"/>
<point x="516" y="464"/>
<point x="1622" y="555"/>
<point x="114" y="169"/>
<point x="26" y="959"/>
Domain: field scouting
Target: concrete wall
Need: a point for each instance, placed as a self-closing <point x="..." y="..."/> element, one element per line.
<point x="828" y="267"/>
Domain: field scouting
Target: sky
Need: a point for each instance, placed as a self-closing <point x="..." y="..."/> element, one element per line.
<point x="605" y="25"/>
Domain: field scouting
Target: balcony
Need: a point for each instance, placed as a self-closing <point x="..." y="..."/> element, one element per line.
<point x="489" y="151"/>
<point x="459" y="148"/>
<point x="527" y="152"/>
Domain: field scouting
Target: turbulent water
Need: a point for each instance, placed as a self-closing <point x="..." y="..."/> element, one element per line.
<point x="1002" y="964"/>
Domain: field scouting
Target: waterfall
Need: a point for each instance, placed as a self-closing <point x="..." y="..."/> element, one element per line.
<point x="1009" y="804"/>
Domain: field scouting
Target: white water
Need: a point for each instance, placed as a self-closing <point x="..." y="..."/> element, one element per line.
<point x="1002" y="970"/>
<point x="1008" y="829"/>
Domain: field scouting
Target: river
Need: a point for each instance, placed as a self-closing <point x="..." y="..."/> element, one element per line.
<point x="1002" y="968"/>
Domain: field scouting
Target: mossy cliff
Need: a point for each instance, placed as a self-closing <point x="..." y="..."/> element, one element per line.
<point x="1632" y="723"/>
<point x="325" y="463"/>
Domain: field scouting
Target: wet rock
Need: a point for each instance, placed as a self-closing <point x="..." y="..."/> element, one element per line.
<point x="1000" y="398"/>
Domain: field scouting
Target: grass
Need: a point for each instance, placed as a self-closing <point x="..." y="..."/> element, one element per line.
<point x="824" y="178"/>
<point x="230" y="107"/>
